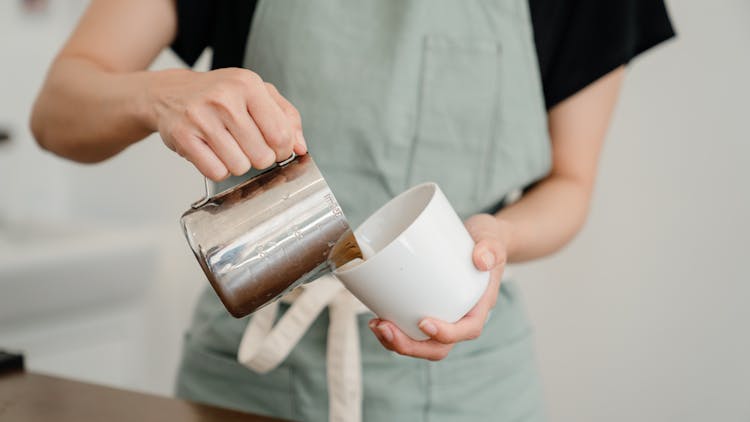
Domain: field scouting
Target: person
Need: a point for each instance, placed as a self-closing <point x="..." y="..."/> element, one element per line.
<point x="484" y="97"/>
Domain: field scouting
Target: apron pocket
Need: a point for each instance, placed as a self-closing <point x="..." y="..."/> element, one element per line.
<point x="455" y="121"/>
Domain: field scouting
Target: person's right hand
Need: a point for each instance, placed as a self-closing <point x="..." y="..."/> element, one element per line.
<point x="225" y="121"/>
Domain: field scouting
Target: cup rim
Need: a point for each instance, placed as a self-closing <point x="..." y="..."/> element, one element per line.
<point x="373" y="259"/>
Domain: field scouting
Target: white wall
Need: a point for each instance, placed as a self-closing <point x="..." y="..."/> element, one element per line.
<point x="146" y="183"/>
<point x="641" y="318"/>
<point x="131" y="340"/>
<point x="644" y="317"/>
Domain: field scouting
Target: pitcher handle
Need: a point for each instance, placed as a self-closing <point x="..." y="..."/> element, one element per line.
<point x="208" y="194"/>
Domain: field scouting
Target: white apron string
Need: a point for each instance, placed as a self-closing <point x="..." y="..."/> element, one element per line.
<point x="264" y="346"/>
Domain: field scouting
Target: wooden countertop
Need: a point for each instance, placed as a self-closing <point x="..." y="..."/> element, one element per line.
<point x="31" y="397"/>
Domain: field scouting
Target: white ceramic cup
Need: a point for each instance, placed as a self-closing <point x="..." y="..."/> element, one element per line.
<point x="418" y="262"/>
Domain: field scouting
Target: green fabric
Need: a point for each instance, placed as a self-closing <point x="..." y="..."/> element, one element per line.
<point x="492" y="378"/>
<point x="393" y="93"/>
<point x="396" y="92"/>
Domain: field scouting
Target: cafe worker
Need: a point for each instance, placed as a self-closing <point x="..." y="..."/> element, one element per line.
<point x="503" y="103"/>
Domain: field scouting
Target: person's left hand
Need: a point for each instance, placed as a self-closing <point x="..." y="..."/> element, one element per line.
<point x="490" y="235"/>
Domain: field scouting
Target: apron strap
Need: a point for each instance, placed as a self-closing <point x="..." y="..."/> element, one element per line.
<point x="264" y="345"/>
<point x="344" y="369"/>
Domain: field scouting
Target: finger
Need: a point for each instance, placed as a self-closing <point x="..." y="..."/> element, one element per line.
<point x="300" y="146"/>
<point x="226" y="147"/>
<point x="396" y="340"/>
<point x="203" y="158"/>
<point x="488" y="254"/>
<point x="477" y="225"/>
<point x="469" y="326"/>
<point x="496" y="277"/>
<point x="248" y="136"/>
<point x="379" y="335"/>
<point x="271" y="120"/>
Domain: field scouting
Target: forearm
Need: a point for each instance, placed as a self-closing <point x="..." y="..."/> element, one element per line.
<point x="550" y="215"/>
<point x="87" y="113"/>
<point x="546" y="218"/>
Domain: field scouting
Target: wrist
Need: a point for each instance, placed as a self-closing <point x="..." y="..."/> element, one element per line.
<point x="153" y="95"/>
<point x="145" y="104"/>
<point x="508" y="236"/>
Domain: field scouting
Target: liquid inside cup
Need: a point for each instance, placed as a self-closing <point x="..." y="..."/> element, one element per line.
<point x="350" y="252"/>
<point x="384" y="226"/>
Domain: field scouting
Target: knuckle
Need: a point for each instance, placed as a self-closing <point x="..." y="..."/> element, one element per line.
<point x="180" y="134"/>
<point x="271" y="87"/>
<point x="236" y="82"/>
<point x="280" y="137"/>
<point x="220" y="97"/>
<point x="228" y="110"/>
<point x="216" y="174"/>
<point x="193" y="112"/>
<point x="241" y="79"/>
<point x="241" y="168"/>
<point x="249" y="78"/>
<point x="474" y="333"/>
<point x="179" y="149"/>
<point x="296" y="117"/>
<point x="236" y="114"/>
<point x="264" y="160"/>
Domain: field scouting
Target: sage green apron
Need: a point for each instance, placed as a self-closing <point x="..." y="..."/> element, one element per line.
<point x="393" y="93"/>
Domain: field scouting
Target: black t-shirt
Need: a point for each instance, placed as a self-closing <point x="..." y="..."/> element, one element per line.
<point x="577" y="41"/>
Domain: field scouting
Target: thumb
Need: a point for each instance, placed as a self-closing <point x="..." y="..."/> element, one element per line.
<point x="488" y="254"/>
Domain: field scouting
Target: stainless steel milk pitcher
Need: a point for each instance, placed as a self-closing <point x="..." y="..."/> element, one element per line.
<point x="262" y="238"/>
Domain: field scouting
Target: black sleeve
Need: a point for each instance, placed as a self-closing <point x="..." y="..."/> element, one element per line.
<point x="221" y="25"/>
<point x="579" y="41"/>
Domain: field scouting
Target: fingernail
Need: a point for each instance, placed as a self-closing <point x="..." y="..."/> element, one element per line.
<point x="385" y="332"/>
<point x="488" y="259"/>
<point x="428" y="328"/>
<point x="372" y="324"/>
<point x="301" y="140"/>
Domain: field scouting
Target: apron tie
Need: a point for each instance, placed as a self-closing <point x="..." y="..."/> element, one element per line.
<point x="264" y="345"/>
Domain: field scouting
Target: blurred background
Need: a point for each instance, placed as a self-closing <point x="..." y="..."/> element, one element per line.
<point x="643" y="317"/>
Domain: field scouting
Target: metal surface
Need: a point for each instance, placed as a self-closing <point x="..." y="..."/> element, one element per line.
<point x="207" y="186"/>
<point x="266" y="236"/>
<point x="206" y="196"/>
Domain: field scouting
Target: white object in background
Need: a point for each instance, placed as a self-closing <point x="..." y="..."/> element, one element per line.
<point x="46" y="269"/>
<point x="420" y="262"/>
<point x="73" y="297"/>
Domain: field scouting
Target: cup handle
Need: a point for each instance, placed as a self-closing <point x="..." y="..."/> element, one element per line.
<point x="208" y="194"/>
